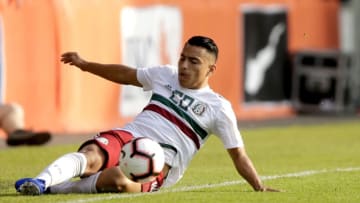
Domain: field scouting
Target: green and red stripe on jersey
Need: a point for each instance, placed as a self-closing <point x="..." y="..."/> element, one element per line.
<point x="193" y="132"/>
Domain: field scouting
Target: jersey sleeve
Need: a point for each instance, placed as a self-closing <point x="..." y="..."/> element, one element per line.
<point x="144" y="77"/>
<point x="148" y="76"/>
<point x="226" y="128"/>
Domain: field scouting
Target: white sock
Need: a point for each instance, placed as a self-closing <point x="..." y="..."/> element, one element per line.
<point x="64" y="168"/>
<point x="84" y="185"/>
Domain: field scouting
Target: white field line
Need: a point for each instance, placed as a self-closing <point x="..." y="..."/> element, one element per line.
<point x="228" y="183"/>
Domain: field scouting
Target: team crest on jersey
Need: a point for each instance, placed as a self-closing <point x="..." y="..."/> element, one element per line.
<point x="102" y="140"/>
<point x="199" y="108"/>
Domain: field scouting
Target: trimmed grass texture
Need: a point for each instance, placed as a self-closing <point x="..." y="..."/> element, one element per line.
<point x="312" y="163"/>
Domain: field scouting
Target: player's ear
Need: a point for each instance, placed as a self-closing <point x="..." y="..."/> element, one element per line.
<point x="212" y="69"/>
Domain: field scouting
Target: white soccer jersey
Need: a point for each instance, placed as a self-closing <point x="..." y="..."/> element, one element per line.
<point x="182" y="119"/>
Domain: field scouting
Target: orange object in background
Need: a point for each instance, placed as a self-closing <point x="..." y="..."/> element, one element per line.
<point x="61" y="98"/>
<point x="30" y="60"/>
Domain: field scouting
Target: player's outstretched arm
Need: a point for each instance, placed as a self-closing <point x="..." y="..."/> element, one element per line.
<point x="114" y="72"/>
<point x="246" y="169"/>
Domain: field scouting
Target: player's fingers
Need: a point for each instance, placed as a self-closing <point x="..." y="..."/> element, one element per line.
<point x="271" y="190"/>
<point x="67" y="54"/>
<point x="65" y="59"/>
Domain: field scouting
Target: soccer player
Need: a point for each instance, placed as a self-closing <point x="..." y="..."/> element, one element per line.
<point x="13" y="123"/>
<point x="181" y="115"/>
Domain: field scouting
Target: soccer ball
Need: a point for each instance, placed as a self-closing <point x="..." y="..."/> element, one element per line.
<point x="142" y="159"/>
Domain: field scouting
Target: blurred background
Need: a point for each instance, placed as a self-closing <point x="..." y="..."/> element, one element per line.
<point x="278" y="58"/>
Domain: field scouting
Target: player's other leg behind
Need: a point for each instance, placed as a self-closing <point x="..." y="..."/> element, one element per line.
<point x="12" y="122"/>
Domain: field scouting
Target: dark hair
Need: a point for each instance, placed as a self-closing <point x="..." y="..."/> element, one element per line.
<point x="206" y="43"/>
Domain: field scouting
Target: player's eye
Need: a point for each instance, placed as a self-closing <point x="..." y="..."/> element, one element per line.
<point x="194" y="61"/>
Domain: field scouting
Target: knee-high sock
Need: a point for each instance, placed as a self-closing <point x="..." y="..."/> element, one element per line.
<point x="84" y="185"/>
<point x="64" y="168"/>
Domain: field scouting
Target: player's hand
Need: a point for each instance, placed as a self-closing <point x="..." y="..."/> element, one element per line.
<point x="72" y="58"/>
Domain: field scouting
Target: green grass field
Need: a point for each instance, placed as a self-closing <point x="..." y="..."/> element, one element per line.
<point x="309" y="163"/>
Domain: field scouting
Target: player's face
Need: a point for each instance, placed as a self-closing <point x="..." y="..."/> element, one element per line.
<point x="195" y="66"/>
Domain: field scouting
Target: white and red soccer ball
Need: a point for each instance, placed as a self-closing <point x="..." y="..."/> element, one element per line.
<point x="142" y="159"/>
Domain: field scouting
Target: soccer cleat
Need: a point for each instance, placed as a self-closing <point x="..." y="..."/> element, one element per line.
<point x="25" y="137"/>
<point x="30" y="186"/>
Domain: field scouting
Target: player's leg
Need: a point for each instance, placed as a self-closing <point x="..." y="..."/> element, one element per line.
<point x="11" y="117"/>
<point x="86" y="162"/>
<point x="84" y="185"/>
<point x="108" y="180"/>
<point x="110" y="144"/>
<point x="113" y="180"/>
<point x="12" y="122"/>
